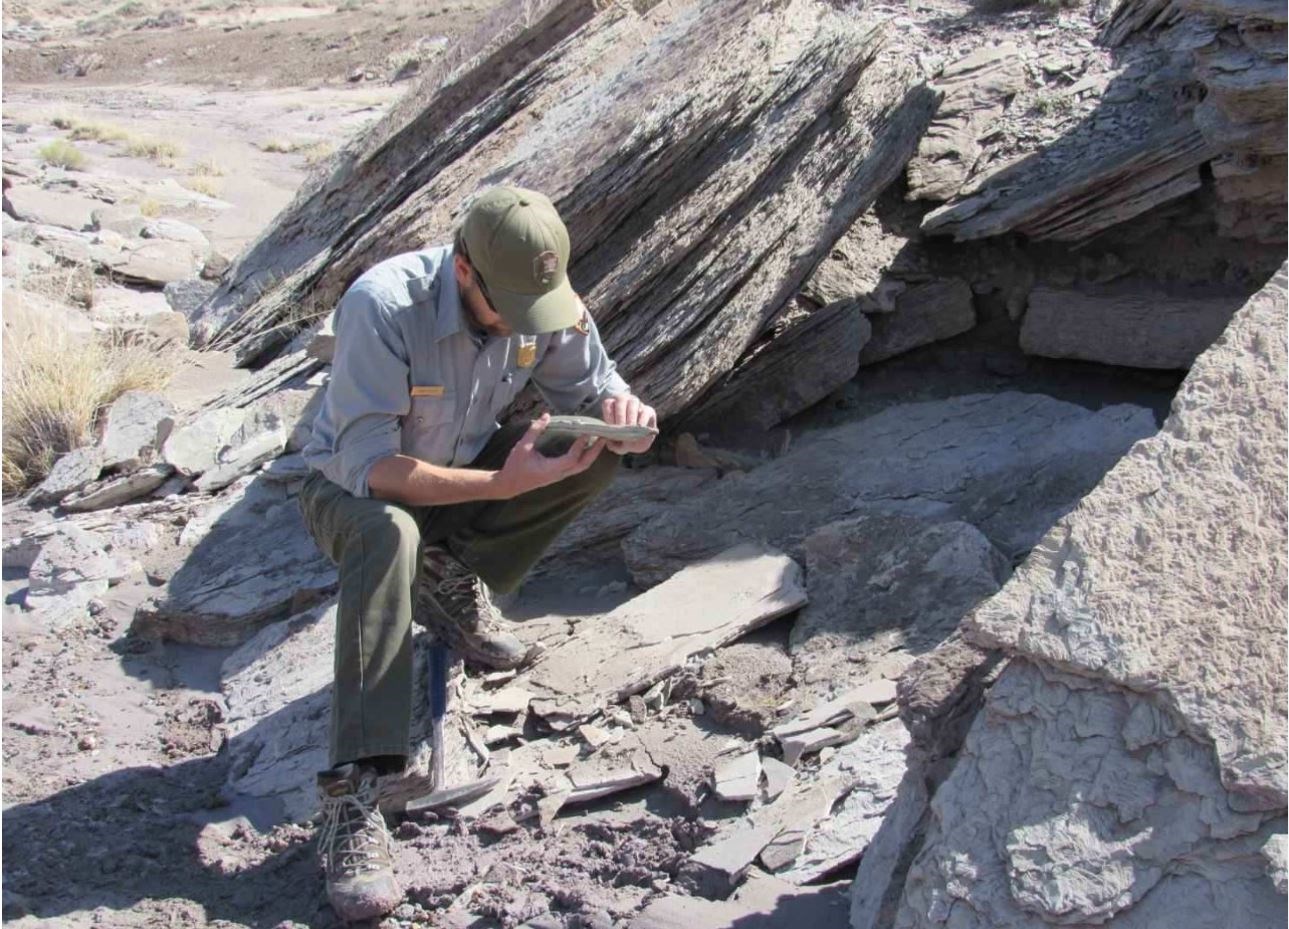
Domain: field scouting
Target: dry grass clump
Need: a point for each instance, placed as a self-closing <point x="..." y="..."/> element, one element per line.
<point x="98" y="132"/>
<point x="207" y="167"/>
<point x="63" y="154"/>
<point x="150" y="207"/>
<point x="55" y="384"/>
<point x="157" y="150"/>
<point x="313" y="152"/>
<point x="67" y="283"/>
<point x="203" y="184"/>
<point x="62" y="121"/>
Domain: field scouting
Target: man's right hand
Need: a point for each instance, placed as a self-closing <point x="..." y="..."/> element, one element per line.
<point x="527" y="469"/>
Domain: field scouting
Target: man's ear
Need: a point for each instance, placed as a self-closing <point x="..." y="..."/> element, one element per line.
<point x="461" y="267"/>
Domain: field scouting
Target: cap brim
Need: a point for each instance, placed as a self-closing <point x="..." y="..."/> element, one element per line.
<point x="534" y="315"/>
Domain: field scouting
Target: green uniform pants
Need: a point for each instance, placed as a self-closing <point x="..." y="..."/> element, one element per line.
<point x="376" y="544"/>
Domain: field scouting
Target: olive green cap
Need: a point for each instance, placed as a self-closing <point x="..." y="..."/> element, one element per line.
<point x="519" y="246"/>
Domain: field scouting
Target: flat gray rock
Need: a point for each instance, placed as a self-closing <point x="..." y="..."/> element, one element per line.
<point x="187" y="296"/>
<point x="71" y="569"/>
<point x="1010" y="464"/>
<point x="882" y="583"/>
<point x="255" y="564"/>
<point x="118" y="490"/>
<point x="1129" y="325"/>
<point x="154" y="261"/>
<point x="69" y="474"/>
<point x="134" y="428"/>
<point x="36" y="205"/>
<point x="175" y="231"/>
<point x="654" y="634"/>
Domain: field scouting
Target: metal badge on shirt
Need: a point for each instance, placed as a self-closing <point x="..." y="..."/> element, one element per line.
<point x="527" y="354"/>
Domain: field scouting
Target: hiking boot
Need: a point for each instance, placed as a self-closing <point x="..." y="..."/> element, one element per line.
<point x="454" y="603"/>
<point x="354" y="845"/>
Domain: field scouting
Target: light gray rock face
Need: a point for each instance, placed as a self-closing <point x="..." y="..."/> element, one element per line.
<point x="135" y="427"/>
<point x="1128" y="765"/>
<point x="69" y="474"/>
<point x="880" y="583"/>
<point x="250" y="562"/>
<point x="976" y="89"/>
<point x="154" y="261"/>
<point x="858" y="265"/>
<point x="175" y="231"/>
<point x="1143" y="329"/>
<point x="1075" y="802"/>
<point x="226" y="442"/>
<point x="924" y="313"/>
<point x="71" y="569"/>
<point x="1011" y="464"/>
<point x="1170" y="578"/>
<point x="48" y="207"/>
<point x="187" y="296"/>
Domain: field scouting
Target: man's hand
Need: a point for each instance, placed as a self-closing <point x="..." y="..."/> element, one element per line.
<point x="627" y="410"/>
<point x="527" y="469"/>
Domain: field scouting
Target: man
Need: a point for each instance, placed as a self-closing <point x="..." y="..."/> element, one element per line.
<point x="423" y="502"/>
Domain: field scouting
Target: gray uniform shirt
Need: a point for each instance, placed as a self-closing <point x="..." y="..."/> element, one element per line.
<point x="410" y="375"/>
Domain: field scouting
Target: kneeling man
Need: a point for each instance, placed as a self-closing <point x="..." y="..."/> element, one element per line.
<point x="424" y="503"/>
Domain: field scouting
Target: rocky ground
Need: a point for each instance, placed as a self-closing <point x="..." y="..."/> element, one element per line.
<point x="753" y="676"/>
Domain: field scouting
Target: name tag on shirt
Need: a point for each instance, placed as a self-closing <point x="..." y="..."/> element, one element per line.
<point x="430" y="391"/>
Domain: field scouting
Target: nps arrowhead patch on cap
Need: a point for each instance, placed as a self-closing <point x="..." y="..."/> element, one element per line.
<point x="545" y="267"/>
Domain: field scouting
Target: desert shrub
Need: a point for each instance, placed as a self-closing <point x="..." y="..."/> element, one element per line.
<point x="317" y="152"/>
<point x="55" y="384"/>
<point x="207" y="167"/>
<point x="157" y="150"/>
<point x="1051" y="104"/>
<point x="204" y="184"/>
<point x="62" y="121"/>
<point x="62" y="154"/>
<point x="149" y="207"/>
<point x="98" y="132"/>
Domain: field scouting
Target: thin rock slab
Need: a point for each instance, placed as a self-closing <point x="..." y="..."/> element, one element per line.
<point x="117" y="491"/>
<point x="654" y="634"/>
<point x="1009" y="463"/>
<point x="1134" y="326"/>
<point x="924" y="313"/>
<point x="740" y="778"/>
<point x="70" y="473"/>
<point x="71" y="569"/>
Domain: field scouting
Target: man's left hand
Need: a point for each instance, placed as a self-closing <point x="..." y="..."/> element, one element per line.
<point x="627" y="410"/>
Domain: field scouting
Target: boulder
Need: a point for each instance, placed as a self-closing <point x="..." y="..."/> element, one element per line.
<point x="21" y="258"/>
<point x="124" y="219"/>
<point x="881" y="583"/>
<point x="187" y="296"/>
<point x="33" y="204"/>
<point x="69" y="474"/>
<point x="33" y="313"/>
<point x="1143" y="328"/>
<point x="1128" y="765"/>
<point x="857" y="267"/>
<point x="1008" y="463"/>
<point x="134" y="428"/>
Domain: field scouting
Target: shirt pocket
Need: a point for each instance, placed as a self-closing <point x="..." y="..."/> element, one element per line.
<point x="429" y="428"/>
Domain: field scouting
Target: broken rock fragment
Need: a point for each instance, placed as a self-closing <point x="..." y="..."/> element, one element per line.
<point x="135" y="427"/>
<point x="740" y="778"/>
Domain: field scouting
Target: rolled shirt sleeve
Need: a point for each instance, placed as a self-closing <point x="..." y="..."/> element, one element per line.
<point x="360" y="420"/>
<point x="575" y="373"/>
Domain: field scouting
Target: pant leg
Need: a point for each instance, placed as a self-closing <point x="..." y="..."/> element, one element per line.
<point x="376" y="546"/>
<point x="502" y="539"/>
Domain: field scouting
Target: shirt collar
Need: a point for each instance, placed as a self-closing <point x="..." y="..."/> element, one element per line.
<point x="449" y="310"/>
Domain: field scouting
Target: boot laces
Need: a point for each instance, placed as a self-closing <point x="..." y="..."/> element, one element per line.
<point x="469" y="591"/>
<point x="353" y="836"/>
